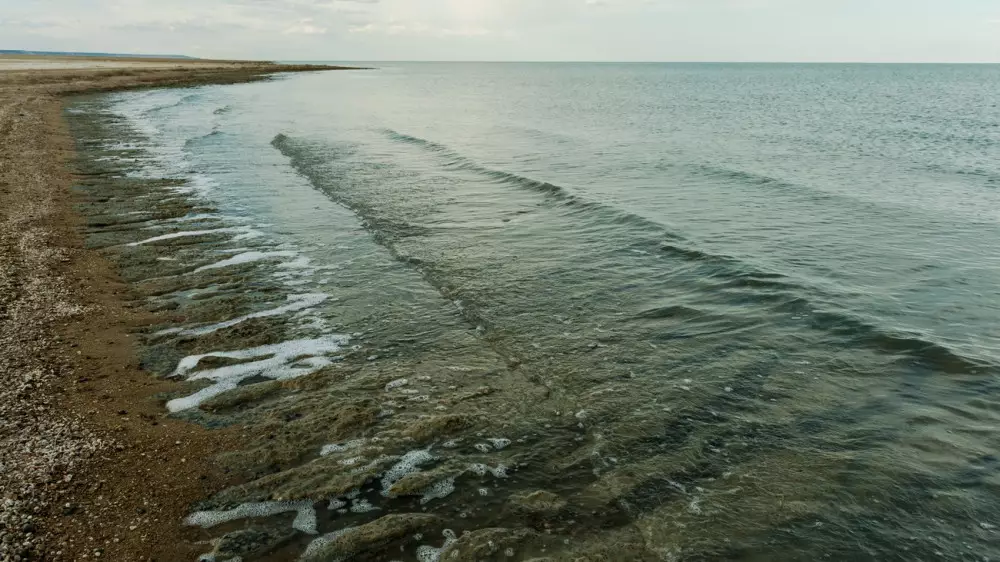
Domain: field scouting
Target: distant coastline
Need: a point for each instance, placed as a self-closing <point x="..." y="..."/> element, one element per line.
<point x="81" y="54"/>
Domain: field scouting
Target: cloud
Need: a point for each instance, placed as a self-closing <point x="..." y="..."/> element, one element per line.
<point x="420" y="29"/>
<point x="486" y="29"/>
<point x="305" y="27"/>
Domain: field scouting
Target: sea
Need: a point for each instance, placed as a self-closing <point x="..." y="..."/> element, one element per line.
<point x="585" y="311"/>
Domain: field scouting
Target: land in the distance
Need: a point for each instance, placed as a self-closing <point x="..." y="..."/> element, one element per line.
<point x="88" y="55"/>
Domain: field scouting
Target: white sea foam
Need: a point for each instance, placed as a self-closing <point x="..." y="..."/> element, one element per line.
<point x="186" y="233"/>
<point x="168" y="157"/>
<point x="198" y="217"/>
<point x="295" y="304"/>
<point x="362" y="506"/>
<point x="439" y="490"/>
<point x="482" y="470"/>
<point x="340" y="447"/>
<point x="301" y="262"/>
<point x="197" y="183"/>
<point x="499" y="443"/>
<point x="317" y="544"/>
<point x="246" y="257"/>
<point x="282" y="361"/>
<point x="410" y="463"/>
<point x="396" y="384"/>
<point x="432" y="554"/>
<point x="305" y="518"/>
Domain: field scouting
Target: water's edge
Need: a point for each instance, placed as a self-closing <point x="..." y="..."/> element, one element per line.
<point x="410" y="387"/>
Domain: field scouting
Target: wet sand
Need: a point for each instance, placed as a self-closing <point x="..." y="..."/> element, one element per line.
<point x="90" y="466"/>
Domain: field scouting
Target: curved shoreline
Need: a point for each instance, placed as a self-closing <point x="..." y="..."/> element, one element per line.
<point x="92" y="467"/>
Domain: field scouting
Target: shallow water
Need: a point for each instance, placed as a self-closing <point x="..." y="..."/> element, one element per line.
<point x="721" y="311"/>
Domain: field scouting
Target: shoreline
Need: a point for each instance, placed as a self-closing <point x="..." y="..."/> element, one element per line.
<point x="93" y="468"/>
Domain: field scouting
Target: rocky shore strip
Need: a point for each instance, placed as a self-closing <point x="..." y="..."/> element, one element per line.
<point x="89" y="467"/>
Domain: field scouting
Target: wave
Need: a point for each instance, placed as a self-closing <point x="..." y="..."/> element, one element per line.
<point x="673" y="244"/>
<point x="911" y="345"/>
<point x="754" y="179"/>
<point x="458" y="162"/>
<point x="911" y="349"/>
<point x="181" y="101"/>
<point x="674" y="311"/>
<point x="731" y="279"/>
<point x="989" y="177"/>
<point x="192" y="142"/>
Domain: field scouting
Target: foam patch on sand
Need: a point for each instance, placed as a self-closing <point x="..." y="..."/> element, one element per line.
<point x="479" y="469"/>
<point x="247" y="257"/>
<point x="295" y="304"/>
<point x="410" y="463"/>
<point x="427" y="553"/>
<point x="362" y="506"/>
<point x="305" y="518"/>
<point x="396" y="384"/>
<point x="439" y="490"/>
<point x="282" y="361"/>
<point x="341" y="447"/>
<point x="317" y="544"/>
<point x="499" y="443"/>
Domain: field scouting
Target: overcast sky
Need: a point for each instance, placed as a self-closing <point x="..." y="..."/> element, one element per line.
<point x="590" y="30"/>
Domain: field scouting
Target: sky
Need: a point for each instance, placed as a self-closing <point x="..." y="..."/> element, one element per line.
<point x="518" y="30"/>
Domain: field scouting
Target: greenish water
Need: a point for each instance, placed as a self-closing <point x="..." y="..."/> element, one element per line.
<point x="722" y="311"/>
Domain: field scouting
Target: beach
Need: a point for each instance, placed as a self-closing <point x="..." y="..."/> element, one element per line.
<point x="90" y="466"/>
<point x="498" y="311"/>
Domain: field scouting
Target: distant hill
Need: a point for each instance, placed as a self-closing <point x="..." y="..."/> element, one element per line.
<point x="105" y="55"/>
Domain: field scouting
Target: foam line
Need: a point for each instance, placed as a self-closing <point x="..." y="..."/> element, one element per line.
<point x="282" y="361"/>
<point x="246" y="257"/>
<point x="340" y="447"/>
<point x="305" y="518"/>
<point x="426" y="553"/>
<point x="439" y="490"/>
<point x="295" y="304"/>
<point x="185" y="233"/>
<point x="317" y="544"/>
<point x="410" y="463"/>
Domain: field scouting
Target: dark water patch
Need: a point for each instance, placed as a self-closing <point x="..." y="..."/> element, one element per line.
<point x="681" y="312"/>
<point x="913" y="347"/>
<point x="183" y="100"/>
<point x="454" y="160"/>
<point x="193" y="143"/>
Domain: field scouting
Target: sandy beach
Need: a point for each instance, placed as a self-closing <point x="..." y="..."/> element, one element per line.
<point x="89" y="465"/>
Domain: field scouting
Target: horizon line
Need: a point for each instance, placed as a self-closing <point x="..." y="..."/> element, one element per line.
<point x="632" y="61"/>
<point x="81" y="54"/>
